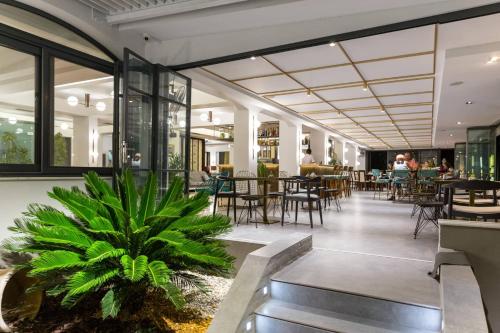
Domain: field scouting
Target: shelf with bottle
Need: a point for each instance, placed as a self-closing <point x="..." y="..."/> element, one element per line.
<point x="268" y="130"/>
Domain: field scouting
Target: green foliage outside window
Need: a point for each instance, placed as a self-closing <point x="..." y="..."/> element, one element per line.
<point x="13" y="152"/>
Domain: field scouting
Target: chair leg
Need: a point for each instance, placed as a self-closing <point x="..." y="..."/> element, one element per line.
<point x="320" y="213"/>
<point x="309" y="207"/>
<point x="419" y="221"/>
<point x="296" y="210"/>
<point x="228" y="205"/>
<point x="215" y="205"/>
<point x="283" y="211"/>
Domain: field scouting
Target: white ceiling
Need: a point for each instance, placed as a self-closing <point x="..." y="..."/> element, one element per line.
<point x="362" y="87"/>
<point x="407" y="73"/>
<point x="464" y="52"/>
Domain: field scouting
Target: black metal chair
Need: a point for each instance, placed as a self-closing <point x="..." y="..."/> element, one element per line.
<point x="225" y="188"/>
<point x="303" y="190"/>
<point x="484" y="211"/>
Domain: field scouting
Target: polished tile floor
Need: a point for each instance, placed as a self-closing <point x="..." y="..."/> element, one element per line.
<point x="365" y="225"/>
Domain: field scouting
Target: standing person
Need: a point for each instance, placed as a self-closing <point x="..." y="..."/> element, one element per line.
<point x="410" y="161"/>
<point x="308" y="158"/>
<point x="389" y="166"/>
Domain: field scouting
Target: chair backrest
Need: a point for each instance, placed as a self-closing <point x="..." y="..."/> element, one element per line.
<point x="401" y="173"/>
<point x="376" y="173"/>
<point x="362" y="176"/>
<point x="356" y="175"/>
<point x="427" y="173"/>
<point x="245" y="185"/>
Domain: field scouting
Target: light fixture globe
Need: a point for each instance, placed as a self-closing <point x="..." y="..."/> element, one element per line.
<point x="72" y="101"/>
<point x="100" y="106"/>
<point x="12" y="120"/>
<point x="182" y="123"/>
<point x="204" y="116"/>
<point x="64" y="126"/>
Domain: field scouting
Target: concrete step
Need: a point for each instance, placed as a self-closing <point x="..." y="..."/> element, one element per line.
<point x="358" y="306"/>
<point x="276" y="316"/>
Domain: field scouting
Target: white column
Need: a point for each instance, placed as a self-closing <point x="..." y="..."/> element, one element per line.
<point x="289" y="149"/>
<point x="349" y="154"/>
<point x="360" y="159"/>
<point x="319" y="143"/>
<point x="85" y="141"/>
<point x="339" y="150"/>
<point x="245" y="140"/>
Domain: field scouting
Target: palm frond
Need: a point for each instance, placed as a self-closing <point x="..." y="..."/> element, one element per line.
<point x="148" y="199"/>
<point x="102" y="250"/>
<point x="85" y="281"/>
<point x="134" y="269"/>
<point x="128" y="193"/>
<point x="174" y="193"/>
<point x="62" y="236"/>
<point x="80" y="205"/>
<point x="53" y="260"/>
<point x="110" y="304"/>
<point x="174" y="294"/>
<point x="192" y="249"/>
<point x="196" y="228"/>
<point x="96" y="186"/>
<point x="158" y="273"/>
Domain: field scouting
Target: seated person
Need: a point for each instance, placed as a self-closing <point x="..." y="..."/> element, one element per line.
<point x="399" y="164"/>
<point x="410" y="162"/>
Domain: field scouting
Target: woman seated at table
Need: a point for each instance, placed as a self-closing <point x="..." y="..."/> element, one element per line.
<point x="444" y="167"/>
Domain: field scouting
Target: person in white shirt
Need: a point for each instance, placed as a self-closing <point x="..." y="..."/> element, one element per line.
<point x="400" y="163"/>
<point x="308" y="158"/>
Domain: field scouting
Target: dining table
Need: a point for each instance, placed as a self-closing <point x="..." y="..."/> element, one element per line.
<point x="264" y="195"/>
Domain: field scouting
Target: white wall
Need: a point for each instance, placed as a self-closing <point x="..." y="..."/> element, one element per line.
<point x="81" y="17"/>
<point x="214" y="150"/>
<point x="17" y="193"/>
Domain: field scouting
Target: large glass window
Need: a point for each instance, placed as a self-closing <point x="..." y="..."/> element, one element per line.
<point x="83" y="116"/>
<point x="17" y="106"/>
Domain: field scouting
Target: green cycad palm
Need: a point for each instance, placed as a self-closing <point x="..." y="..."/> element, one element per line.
<point x="120" y="242"/>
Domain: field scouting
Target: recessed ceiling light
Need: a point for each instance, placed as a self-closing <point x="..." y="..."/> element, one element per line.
<point x="216" y="121"/>
<point x="451" y="134"/>
<point x="493" y="60"/>
<point x="253" y="58"/>
<point x="459" y="123"/>
<point x="12" y="120"/>
<point x="332" y="44"/>
<point x="468" y="102"/>
<point x="64" y="126"/>
<point x="204" y="116"/>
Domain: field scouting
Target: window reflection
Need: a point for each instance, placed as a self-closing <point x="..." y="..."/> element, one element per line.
<point x="17" y="107"/>
<point x="83" y="116"/>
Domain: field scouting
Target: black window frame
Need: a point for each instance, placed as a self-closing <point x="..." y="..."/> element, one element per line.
<point x="46" y="51"/>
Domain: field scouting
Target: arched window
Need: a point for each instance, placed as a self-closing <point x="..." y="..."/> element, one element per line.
<point x="57" y="89"/>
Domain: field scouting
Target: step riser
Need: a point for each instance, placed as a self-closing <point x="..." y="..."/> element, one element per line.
<point x="265" y="324"/>
<point x="364" y="307"/>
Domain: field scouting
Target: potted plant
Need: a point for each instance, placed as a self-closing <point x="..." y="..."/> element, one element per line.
<point x="122" y="248"/>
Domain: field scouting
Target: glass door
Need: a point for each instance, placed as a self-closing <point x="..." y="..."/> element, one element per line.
<point x="156" y="112"/>
<point x="137" y="134"/>
<point x="174" y="95"/>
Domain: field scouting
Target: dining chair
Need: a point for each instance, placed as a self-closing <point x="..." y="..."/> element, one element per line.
<point x="292" y="194"/>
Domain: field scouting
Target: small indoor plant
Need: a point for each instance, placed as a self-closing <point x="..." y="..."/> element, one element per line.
<point x="121" y="246"/>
